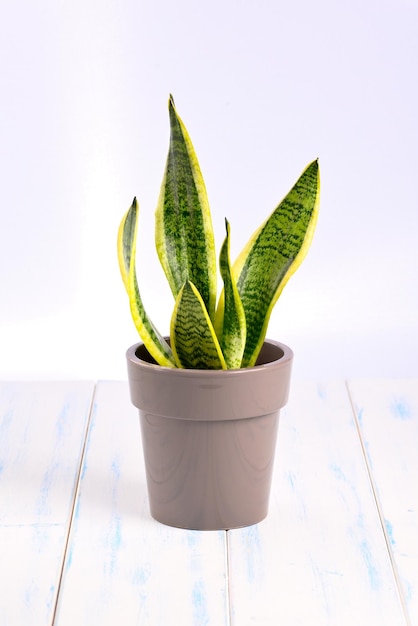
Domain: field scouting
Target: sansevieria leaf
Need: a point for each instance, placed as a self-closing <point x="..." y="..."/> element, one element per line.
<point x="193" y="337"/>
<point x="154" y="342"/>
<point x="184" y="235"/>
<point x="230" y="322"/>
<point x="273" y="254"/>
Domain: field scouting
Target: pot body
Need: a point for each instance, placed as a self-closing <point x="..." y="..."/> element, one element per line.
<point x="209" y="437"/>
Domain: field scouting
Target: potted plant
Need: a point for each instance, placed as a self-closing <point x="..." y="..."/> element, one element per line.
<point x="209" y="395"/>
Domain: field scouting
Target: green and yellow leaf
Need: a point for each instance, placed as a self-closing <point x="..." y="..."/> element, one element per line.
<point x="230" y="317"/>
<point x="193" y="338"/>
<point x="184" y="235"/>
<point x="154" y="342"/>
<point x="273" y="254"/>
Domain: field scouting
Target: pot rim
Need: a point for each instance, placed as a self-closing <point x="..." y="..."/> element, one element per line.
<point x="282" y="361"/>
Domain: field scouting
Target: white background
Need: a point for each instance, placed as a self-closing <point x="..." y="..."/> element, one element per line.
<point x="264" y="87"/>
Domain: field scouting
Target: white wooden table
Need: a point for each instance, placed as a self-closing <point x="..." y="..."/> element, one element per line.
<point x="78" y="546"/>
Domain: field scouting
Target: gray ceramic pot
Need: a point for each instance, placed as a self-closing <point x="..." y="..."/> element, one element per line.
<point x="209" y="437"/>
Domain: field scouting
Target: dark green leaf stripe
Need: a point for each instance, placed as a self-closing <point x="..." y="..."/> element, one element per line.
<point x="154" y="342"/>
<point x="193" y="337"/>
<point x="232" y="327"/>
<point x="273" y="254"/>
<point x="184" y="234"/>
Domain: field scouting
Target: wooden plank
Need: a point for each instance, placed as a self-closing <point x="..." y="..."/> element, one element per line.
<point x="387" y="412"/>
<point x="30" y="566"/>
<point x="122" y="566"/>
<point x="320" y="557"/>
<point x="42" y="429"/>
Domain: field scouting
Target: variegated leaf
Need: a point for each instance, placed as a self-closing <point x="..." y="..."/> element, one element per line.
<point x="193" y="338"/>
<point x="154" y="342"/>
<point x="230" y="317"/>
<point x="184" y="234"/>
<point x="273" y="254"/>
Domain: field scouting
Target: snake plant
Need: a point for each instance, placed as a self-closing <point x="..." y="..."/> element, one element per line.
<point x="205" y="334"/>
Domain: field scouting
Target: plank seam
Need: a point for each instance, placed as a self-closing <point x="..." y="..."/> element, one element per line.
<point x="73" y="504"/>
<point x="229" y="616"/>
<point x="379" y="508"/>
